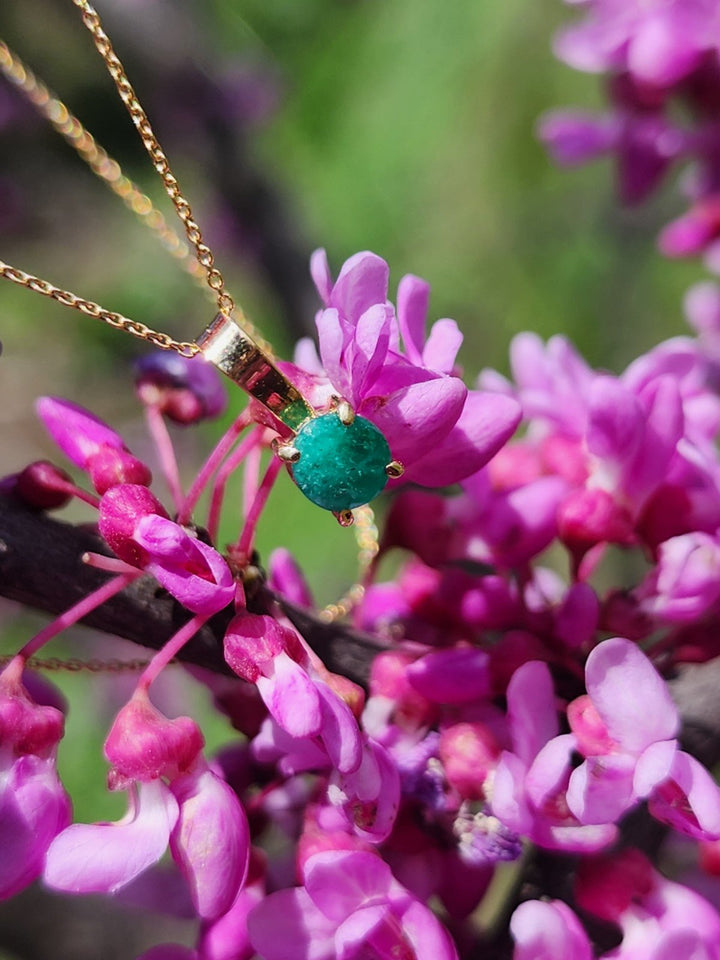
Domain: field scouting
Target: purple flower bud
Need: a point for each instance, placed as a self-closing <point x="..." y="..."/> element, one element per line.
<point x="186" y="389"/>
<point x="43" y="485"/>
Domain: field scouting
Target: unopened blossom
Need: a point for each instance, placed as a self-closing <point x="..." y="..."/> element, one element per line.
<point x="175" y="800"/>
<point x="186" y="389"/>
<point x="626" y="728"/>
<point x="437" y="428"/>
<point x="34" y="807"/>
<point x="135" y="525"/>
<point x="91" y="444"/>
<point x="685" y="583"/>
<point x="349" y="906"/>
<point x="543" y="929"/>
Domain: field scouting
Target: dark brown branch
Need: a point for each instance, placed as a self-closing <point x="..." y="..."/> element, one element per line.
<point x="41" y="567"/>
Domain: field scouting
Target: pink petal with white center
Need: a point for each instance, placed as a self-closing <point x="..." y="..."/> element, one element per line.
<point x="441" y="348"/>
<point x="487" y="421"/>
<point x="531" y="710"/>
<point x="507" y="794"/>
<point x="601" y="789"/>
<point x="428" y="937"/>
<point x="103" y="857"/>
<point x="320" y="272"/>
<point x="630" y="696"/>
<point x="451" y="676"/>
<point x="288" y="926"/>
<point x="291" y="697"/>
<point x="34" y="808"/>
<point x="548" y="930"/>
<point x="361" y="283"/>
<point x="416" y="417"/>
<point x="690" y="800"/>
<point x="77" y="432"/>
<point x="341" y="881"/>
<point x="340" y="732"/>
<point x="413" y="296"/>
<point x="210" y="841"/>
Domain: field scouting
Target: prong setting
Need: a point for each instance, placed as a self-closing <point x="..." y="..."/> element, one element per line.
<point x="345" y="412"/>
<point x="344" y="517"/>
<point x="394" y="469"/>
<point x="287" y="452"/>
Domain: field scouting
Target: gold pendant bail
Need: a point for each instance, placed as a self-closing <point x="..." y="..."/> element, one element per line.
<point x="238" y="356"/>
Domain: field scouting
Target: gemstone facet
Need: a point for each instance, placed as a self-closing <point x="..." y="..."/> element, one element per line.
<point x="341" y="466"/>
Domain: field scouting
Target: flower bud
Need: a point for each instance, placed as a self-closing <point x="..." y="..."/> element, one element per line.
<point x="110" y="467"/>
<point x="121" y="509"/>
<point x="252" y="641"/>
<point x="185" y="389"/>
<point x="43" y="485"/>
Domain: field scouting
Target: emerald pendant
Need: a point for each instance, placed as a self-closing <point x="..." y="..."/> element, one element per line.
<point x="340" y="465"/>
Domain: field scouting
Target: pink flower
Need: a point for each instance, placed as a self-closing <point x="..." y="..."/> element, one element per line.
<point x="90" y="444"/>
<point x="174" y="799"/>
<point x="34" y="808"/>
<point x="136" y="527"/>
<point x="626" y="728"/>
<point x="548" y="929"/>
<point x="528" y="792"/>
<point x="435" y="427"/>
<point x="350" y="907"/>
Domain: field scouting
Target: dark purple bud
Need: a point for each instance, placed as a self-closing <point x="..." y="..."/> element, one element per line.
<point x="185" y="389"/>
<point x="43" y="485"/>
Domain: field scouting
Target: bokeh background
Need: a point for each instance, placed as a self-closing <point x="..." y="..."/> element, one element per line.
<point x="401" y="126"/>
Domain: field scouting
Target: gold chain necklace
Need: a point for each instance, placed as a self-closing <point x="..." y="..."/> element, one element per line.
<point x="232" y="345"/>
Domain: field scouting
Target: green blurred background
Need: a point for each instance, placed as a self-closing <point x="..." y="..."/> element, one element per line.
<point x="401" y="126"/>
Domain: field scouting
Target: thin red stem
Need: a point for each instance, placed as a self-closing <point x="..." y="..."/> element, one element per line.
<point x="247" y="537"/>
<point x="216" y="457"/>
<point x="218" y="490"/>
<point x="166" y="451"/>
<point x="77" y="612"/>
<point x="171" y="649"/>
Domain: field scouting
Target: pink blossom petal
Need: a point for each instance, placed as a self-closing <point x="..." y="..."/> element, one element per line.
<point x="210" y="841"/>
<point x="370" y="796"/>
<point x="274" y="745"/>
<point x="320" y="272"/>
<point x="629" y="695"/>
<point x="600" y="790"/>
<point x="691" y="801"/>
<point x="507" y="800"/>
<point x="341" y="881"/>
<point x="441" y="348"/>
<point x="288" y="926"/>
<point x="487" y="421"/>
<point x="291" y="698"/>
<point x="549" y="772"/>
<point x="333" y="336"/>
<point x="429" y="939"/>
<point x="34" y="809"/>
<point x="542" y="931"/>
<point x="417" y="417"/>
<point x="531" y="710"/>
<point x="452" y="676"/>
<point x="340" y="732"/>
<point x="576" y="136"/>
<point x="413" y="297"/>
<point x="227" y="938"/>
<point x="361" y="283"/>
<point x="653" y="766"/>
<point x="77" y="432"/>
<point x="103" y="857"/>
<point x="661" y="51"/>
<point x="371" y="344"/>
<point x="366" y="930"/>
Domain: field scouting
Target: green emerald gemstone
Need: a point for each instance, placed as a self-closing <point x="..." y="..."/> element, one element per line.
<point x="341" y="466"/>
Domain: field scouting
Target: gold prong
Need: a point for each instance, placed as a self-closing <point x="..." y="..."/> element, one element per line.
<point x="287" y="453"/>
<point x="345" y="413"/>
<point x="344" y="517"/>
<point x="394" y="469"/>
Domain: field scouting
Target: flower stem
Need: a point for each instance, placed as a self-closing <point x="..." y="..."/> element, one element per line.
<point x="163" y="657"/>
<point x="218" y="490"/>
<point x="245" y="544"/>
<point x="166" y="451"/>
<point x="217" y="455"/>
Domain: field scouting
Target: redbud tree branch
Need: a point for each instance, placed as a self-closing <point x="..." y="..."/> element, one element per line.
<point x="41" y="567"/>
